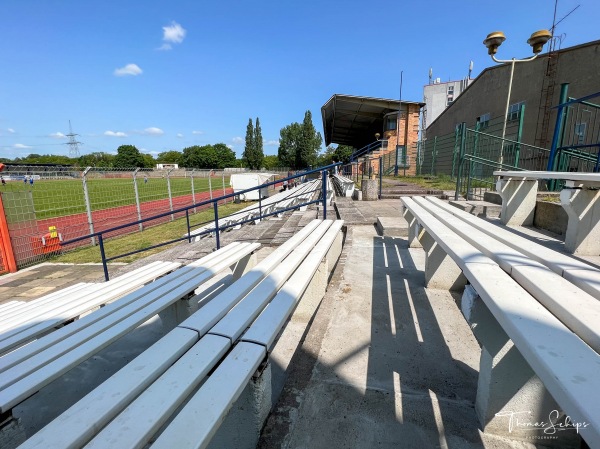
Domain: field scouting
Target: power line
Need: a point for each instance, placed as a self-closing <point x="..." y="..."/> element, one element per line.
<point x="73" y="143"/>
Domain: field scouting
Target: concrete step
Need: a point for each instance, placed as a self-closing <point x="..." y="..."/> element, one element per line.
<point x="392" y="226"/>
<point x="479" y="208"/>
<point x="408" y="191"/>
<point x="396" y="196"/>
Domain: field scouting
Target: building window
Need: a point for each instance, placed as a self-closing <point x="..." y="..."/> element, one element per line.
<point x="450" y="100"/>
<point x="450" y="90"/>
<point x="514" y="111"/>
<point x="390" y="123"/>
<point x="580" y="132"/>
<point x="484" y="120"/>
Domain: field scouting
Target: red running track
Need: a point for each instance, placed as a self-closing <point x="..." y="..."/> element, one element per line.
<point x="26" y="237"/>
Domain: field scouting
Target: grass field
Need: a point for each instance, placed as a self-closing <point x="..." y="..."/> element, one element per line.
<point x="140" y="240"/>
<point x="55" y="198"/>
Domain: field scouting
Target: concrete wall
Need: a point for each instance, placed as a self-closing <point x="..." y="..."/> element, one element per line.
<point x="579" y="66"/>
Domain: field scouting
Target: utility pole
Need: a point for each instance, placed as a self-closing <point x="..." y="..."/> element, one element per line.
<point x="73" y="143"/>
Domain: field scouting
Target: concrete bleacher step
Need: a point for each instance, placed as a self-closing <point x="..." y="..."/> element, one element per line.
<point x="392" y="226"/>
<point x="479" y="208"/>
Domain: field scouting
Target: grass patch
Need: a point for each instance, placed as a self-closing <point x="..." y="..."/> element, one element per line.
<point x="441" y="182"/>
<point x="140" y="240"/>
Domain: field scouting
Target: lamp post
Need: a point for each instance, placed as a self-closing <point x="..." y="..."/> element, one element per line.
<point x="492" y="42"/>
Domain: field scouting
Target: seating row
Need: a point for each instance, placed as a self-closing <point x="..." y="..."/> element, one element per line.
<point x="29" y="368"/>
<point x="28" y="321"/>
<point x="552" y="323"/>
<point x="278" y="202"/>
<point x="343" y="186"/>
<point x="185" y="385"/>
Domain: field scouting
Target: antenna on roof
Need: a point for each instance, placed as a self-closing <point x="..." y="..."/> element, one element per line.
<point x="470" y="70"/>
<point x="430" y="75"/>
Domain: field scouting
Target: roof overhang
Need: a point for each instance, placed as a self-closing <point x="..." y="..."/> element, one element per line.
<point x="351" y="120"/>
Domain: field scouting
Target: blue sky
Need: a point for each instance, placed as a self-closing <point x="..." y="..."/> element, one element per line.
<point x="166" y="75"/>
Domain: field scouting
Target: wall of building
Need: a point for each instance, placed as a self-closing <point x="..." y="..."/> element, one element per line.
<point x="435" y="97"/>
<point x="579" y="66"/>
<point x="406" y="133"/>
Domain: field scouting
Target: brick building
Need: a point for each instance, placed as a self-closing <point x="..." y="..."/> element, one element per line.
<point x="362" y="121"/>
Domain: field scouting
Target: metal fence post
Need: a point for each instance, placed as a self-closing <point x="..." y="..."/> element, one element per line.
<point x="380" y="174"/>
<point x="193" y="191"/>
<point x="210" y="186"/>
<point x="88" y="206"/>
<point x="169" y="190"/>
<point x="519" y="135"/>
<point x="137" y="198"/>
<point x="103" y="257"/>
<point x="224" y="191"/>
<point x="433" y="154"/>
<point x="324" y="192"/>
<point x="463" y="141"/>
<point x="187" y="220"/>
<point x="216" y="211"/>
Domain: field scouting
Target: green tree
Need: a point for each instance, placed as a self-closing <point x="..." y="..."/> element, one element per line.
<point x="309" y="144"/>
<point x="169" y="157"/>
<point x="270" y="162"/>
<point x="289" y="138"/>
<point x="97" y="159"/>
<point x="248" y="154"/>
<point x="225" y="156"/>
<point x="149" y="161"/>
<point x="258" y="147"/>
<point x="128" y="156"/>
<point x="340" y="153"/>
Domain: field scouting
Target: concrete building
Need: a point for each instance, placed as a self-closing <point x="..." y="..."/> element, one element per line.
<point x="437" y="96"/>
<point x="536" y="85"/>
<point x="360" y="121"/>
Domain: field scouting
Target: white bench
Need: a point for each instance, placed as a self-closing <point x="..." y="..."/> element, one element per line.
<point x="543" y="344"/>
<point x="580" y="198"/>
<point x="29" y="368"/>
<point x="270" y="205"/>
<point x="343" y="185"/>
<point x="38" y="317"/>
<point x="217" y="349"/>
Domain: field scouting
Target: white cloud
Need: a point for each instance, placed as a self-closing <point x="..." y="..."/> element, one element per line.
<point x="20" y="146"/>
<point x="174" y="33"/>
<point x="165" y="47"/>
<point x="230" y="147"/>
<point x="10" y="130"/>
<point x="237" y="140"/>
<point x="153" y="131"/>
<point x="115" y="133"/>
<point x="129" y="69"/>
<point x="57" y="135"/>
<point x="198" y="132"/>
<point x="270" y="143"/>
<point x="180" y="135"/>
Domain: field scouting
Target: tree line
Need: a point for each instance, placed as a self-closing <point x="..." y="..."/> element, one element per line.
<point x="299" y="148"/>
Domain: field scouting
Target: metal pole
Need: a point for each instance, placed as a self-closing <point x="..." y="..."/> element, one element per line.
<point x="463" y="138"/>
<point x="216" y="211"/>
<point x="224" y="190"/>
<point x="187" y="219"/>
<point x="380" y="174"/>
<point x="210" y="185"/>
<point x="193" y="190"/>
<point x="137" y="199"/>
<point x="103" y="256"/>
<point x="396" y="164"/>
<point x="324" y="192"/>
<point x="170" y="195"/>
<point x="260" y="206"/>
<point x="519" y="135"/>
<point x="433" y="153"/>
<point x="510" y="80"/>
<point x="88" y="206"/>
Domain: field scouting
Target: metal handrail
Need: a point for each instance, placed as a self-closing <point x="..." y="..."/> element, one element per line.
<point x="214" y="201"/>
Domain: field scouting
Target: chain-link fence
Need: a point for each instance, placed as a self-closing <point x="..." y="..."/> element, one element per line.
<point x="46" y="205"/>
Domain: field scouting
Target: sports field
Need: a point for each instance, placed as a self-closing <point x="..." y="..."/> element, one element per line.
<point x="57" y="198"/>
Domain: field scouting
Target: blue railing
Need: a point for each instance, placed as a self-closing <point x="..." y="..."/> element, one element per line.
<point x="365" y="150"/>
<point x="323" y="171"/>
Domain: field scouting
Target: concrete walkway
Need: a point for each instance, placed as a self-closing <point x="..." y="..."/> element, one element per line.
<point x="386" y="362"/>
